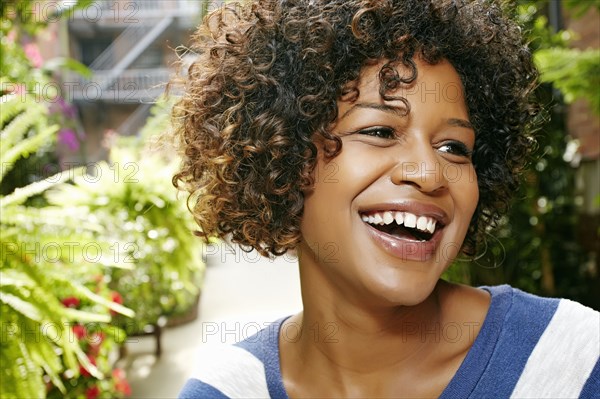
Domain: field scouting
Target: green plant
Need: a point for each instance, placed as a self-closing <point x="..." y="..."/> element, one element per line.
<point x="42" y="249"/>
<point x="133" y="197"/>
<point x="36" y="341"/>
<point x="535" y="247"/>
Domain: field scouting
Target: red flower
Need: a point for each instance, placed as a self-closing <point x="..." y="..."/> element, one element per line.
<point x="83" y="371"/>
<point x="71" y="302"/>
<point x="95" y="341"/>
<point x="92" y="392"/>
<point x="121" y="384"/>
<point x="116" y="298"/>
<point x="79" y="331"/>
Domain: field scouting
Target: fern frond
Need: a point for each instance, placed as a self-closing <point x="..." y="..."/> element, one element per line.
<point x="25" y="147"/>
<point x="50" y="217"/>
<point x="20" y="195"/>
<point x="19" y="126"/>
<point x="20" y="305"/>
<point x="86" y="317"/>
<point x="15" y="278"/>
<point x="43" y="354"/>
<point x="21" y="377"/>
<point x="11" y="107"/>
<point x="82" y="291"/>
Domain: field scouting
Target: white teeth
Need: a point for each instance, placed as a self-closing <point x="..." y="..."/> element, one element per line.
<point x="388" y="217"/>
<point x="431" y="225"/>
<point x="422" y="223"/>
<point x="399" y="218"/>
<point x="410" y="220"/>
<point x="378" y="219"/>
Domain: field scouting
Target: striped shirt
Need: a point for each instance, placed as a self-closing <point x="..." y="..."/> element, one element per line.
<point x="528" y="347"/>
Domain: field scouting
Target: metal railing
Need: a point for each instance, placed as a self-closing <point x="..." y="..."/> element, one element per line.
<point x="132" y="11"/>
<point x="131" y="86"/>
<point x="126" y="40"/>
<point x="135" y="121"/>
<point x="130" y="44"/>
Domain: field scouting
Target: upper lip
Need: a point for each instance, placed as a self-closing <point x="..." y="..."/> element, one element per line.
<point x="414" y="207"/>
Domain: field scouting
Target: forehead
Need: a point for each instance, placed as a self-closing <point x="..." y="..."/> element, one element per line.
<point x="435" y="83"/>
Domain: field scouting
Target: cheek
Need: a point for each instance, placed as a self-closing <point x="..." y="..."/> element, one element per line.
<point x="329" y="203"/>
<point x="467" y="192"/>
<point x="318" y="202"/>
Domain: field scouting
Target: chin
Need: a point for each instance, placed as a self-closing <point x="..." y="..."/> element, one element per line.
<point x="408" y="292"/>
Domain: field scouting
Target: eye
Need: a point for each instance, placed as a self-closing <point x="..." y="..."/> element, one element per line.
<point x="455" y="148"/>
<point x="379" y="132"/>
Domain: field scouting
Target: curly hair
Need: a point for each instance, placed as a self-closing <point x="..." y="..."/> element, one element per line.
<point x="265" y="86"/>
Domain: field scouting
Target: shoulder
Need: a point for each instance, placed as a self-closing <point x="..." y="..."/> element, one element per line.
<point x="562" y="341"/>
<point x="234" y="371"/>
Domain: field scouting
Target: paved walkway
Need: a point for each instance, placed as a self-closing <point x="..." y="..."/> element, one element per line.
<point x="242" y="293"/>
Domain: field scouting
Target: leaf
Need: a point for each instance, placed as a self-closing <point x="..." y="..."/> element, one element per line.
<point x="33" y="373"/>
<point x="43" y="354"/>
<point x="85" y="317"/>
<point x="12" y="105"/>
<point x="574" y="72"/>
<point x="27" y="146"/>
<point x="67" y="217"/>
<point x="18" y="127"/>
<point x="25" y="308"/>
<point x="55" y="64"/>
<point x="14" y="277"/>
<point x="83" y="291"/>
<point x="85" y="362"/>
<point x="20" y="195"/>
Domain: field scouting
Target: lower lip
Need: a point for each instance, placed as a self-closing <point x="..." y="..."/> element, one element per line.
<point x="403" y="248"/>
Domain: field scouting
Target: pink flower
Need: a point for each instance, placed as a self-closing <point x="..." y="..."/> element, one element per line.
<point x="68" y="137"/>
<point x="32" y="52"/>
<point x="11" y="36"/>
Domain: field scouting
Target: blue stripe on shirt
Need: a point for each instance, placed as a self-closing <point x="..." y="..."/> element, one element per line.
<point x="194" y="389"/>
<point x="531" y="314"/>
<point x="591" y="389"/>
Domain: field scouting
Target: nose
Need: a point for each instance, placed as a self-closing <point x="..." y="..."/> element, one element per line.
<point x="419" y="166"/>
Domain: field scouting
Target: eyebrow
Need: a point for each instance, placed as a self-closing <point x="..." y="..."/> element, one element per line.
<point x="401" y="111"/>
<point x="460" y="123"/>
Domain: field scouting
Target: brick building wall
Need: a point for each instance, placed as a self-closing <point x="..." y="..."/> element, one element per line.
<point x="582" y="123"/>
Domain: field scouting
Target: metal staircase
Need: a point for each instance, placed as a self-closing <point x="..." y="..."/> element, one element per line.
<point x="107" y="67"/>
<point x="135" y="121"/>
<point x="112" y="79"/>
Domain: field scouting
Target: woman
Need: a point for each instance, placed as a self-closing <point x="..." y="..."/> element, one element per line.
<point x="379" y="140"/>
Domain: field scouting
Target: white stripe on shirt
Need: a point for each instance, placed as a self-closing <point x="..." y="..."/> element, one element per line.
<point x="564" y="356"/>
<point x="233" y="371"/>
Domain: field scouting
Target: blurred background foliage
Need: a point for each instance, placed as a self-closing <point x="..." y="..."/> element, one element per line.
<point x="537" y="247"/>
<point x="88" y="254"/>
<point x="132" y="197"/>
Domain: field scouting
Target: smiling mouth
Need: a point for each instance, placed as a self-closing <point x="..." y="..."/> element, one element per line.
<point x="402" y="225"/>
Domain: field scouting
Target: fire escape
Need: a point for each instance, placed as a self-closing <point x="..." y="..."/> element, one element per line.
<point x="139" y="24"/>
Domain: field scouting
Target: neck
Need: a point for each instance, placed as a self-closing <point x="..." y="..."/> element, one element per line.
<point x="355" y="333"/>
<point x="356" y="343"/>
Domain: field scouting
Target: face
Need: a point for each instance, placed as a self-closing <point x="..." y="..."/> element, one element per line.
<point x="388" y="215"/>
